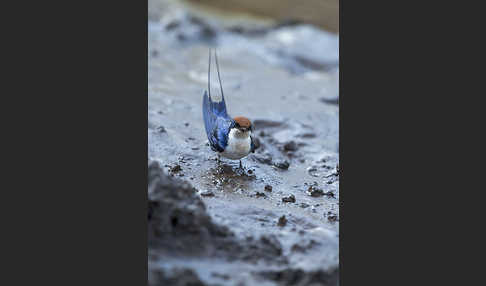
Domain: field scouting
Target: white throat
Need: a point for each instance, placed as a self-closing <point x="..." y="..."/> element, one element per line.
<point x="239" y="144"/>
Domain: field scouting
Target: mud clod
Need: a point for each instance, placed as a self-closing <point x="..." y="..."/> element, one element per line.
<point x="329" y="194"/>
<point x="161" y="129"/>
<point x="260" y="194"/>
<point x="307" y="135"/>
<point x="284" y="165"/>
<point x="332" y="218"/>
<point x="313" y="191"/>
<point x="334" y="100"/>
<point x="172" y="25"/>
<point x="282" y="221"/>
<point x="207" y="194"/>
<point x="176" y="168"/>
<point x="268" y="188"/>
<point x="290" y="146"/>
<point x="289" y="199"/>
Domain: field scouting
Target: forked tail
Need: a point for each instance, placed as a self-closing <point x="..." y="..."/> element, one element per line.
<point x="216" y="107"/>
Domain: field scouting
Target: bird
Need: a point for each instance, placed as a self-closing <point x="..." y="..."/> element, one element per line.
<point x="230" y="137"/>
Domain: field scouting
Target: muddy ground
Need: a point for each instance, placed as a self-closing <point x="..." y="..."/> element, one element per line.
<point x="276" y="222"/>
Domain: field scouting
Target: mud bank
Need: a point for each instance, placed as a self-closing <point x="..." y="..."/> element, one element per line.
<point x="180" y="232"/>
<point x="278" y="219"/>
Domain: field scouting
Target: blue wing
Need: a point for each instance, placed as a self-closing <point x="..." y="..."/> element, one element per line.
<point x="216" y="122"/>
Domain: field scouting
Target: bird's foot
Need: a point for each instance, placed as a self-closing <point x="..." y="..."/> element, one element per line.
<point x="241" y="169"/>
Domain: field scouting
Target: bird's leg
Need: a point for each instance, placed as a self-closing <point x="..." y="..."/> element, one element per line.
<point x="219" y="159"/>
<point x="241" y="166"/>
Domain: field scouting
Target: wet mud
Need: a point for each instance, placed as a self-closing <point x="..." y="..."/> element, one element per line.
<point x="276" y="221"/>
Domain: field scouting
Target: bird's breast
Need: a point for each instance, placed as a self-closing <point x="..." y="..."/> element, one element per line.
<point x="237" y="147"/>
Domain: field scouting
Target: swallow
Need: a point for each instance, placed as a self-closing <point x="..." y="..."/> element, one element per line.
<point x="230" y="137"/>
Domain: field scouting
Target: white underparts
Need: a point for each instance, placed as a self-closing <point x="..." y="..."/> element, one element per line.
<point x="239" y="144"/>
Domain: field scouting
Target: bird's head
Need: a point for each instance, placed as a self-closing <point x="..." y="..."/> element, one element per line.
<point x="242" y="126"/>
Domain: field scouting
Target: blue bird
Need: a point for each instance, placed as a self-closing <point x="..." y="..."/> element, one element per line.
<point x="230" y="137"/>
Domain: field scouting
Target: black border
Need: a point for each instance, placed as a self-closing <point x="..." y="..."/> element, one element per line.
<point x="76" y="141"/>
<point x="402" y="152"/>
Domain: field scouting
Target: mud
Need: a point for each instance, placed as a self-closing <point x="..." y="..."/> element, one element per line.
<point x="175" y="277"/>
<point x="177" y="218"/>
<point x="299" y="277"/>
<point x="210" y="222"/>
